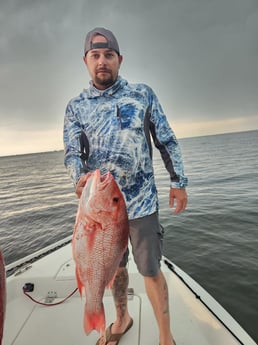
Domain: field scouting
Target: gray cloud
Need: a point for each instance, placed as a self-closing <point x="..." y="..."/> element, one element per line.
<point x="200" y="56"/>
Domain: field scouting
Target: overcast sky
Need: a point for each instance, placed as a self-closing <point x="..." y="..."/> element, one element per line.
<point x="199" y="56"/>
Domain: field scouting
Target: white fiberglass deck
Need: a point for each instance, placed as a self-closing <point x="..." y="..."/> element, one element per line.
<point x="53" y="276"/>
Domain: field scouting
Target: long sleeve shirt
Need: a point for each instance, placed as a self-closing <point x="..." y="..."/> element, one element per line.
<point x="111" y="130"/>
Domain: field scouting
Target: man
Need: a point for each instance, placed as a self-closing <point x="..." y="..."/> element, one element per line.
<point x="109" y="127"/>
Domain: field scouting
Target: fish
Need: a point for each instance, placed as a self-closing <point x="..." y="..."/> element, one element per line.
<point x="99" y="241"/>
<point x="2" y="295"/>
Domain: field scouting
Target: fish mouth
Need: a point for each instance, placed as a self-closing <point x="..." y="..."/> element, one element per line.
<point x="102" y="180"/>
<point x="105" y="180"/>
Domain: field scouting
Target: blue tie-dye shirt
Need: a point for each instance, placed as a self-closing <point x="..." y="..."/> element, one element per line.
<point x="115" y="126"/>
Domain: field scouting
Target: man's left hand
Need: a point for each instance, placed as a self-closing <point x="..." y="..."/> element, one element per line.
<point x="178" y="198"/>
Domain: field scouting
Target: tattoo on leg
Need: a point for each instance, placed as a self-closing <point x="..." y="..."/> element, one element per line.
<point x="119" y="291"/>
<point x="165" y="288"/>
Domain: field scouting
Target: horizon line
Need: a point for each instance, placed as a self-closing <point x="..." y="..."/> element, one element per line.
<point x="179" y="138"/>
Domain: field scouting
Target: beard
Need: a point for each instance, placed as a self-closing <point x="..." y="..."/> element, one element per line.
<point x="105" y="80"/>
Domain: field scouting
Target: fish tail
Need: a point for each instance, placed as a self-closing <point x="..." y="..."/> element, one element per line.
<point x="94" y="320"/>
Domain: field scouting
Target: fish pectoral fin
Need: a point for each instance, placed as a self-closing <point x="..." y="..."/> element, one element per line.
<point x="91" y="227"/>
<point x="110" y="284"/>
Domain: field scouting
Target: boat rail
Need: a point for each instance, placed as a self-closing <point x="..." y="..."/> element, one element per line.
<point x="23" y="264"/>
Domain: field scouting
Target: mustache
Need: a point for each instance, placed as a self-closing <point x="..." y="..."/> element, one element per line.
<point x="103" y="70"/>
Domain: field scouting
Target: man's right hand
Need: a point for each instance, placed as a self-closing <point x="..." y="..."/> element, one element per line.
<point x="80" y="184"/>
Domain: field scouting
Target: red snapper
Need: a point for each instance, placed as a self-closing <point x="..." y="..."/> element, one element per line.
<point x="99" y="241"/>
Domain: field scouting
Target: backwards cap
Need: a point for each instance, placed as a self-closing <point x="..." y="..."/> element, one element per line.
<point x="111" y="40"/>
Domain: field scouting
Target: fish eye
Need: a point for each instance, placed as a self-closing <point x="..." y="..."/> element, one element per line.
<point x="115" y="199"/>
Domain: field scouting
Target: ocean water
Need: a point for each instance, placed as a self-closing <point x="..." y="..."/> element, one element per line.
<point x="215" y="240"/>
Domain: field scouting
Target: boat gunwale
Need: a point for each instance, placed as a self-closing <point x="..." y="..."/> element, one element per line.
<point x="20" y="265"/>
<point x="218" y="311"/>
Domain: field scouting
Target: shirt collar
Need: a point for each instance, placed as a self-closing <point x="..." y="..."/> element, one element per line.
<point x="93" y="92"/>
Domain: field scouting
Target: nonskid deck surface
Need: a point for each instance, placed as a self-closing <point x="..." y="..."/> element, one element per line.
<point x="63" y="324"/>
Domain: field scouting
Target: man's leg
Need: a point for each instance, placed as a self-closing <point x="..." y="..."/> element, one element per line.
<point x="147" y="244"/>
<point x="119" y="291"/>
<point x="157" y="291"/>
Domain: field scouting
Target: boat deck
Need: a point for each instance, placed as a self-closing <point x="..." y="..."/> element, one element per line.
<point x="30" y="323"/>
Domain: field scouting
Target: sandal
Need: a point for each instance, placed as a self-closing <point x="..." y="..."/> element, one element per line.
<point x="114" y="337"/>
<point x="173" y="341"/>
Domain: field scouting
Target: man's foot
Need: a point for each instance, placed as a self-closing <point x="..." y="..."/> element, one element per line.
<point x="113" y="338"/>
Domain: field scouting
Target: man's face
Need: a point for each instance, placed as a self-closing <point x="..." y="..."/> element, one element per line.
<point x="103" y="64"/>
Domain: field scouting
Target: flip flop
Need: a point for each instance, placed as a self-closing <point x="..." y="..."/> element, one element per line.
<point x="173" y="341"/>
<point x="114" y="337"/>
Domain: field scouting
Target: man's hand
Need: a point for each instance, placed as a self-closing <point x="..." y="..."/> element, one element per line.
<point x="80" y="184"/>
<point x="180" y="195"/>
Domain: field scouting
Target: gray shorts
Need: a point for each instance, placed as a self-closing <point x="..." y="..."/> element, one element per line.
<point x="146" y="236"/>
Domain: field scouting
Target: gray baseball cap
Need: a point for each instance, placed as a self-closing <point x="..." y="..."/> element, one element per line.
<point x="111" y="40"/>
